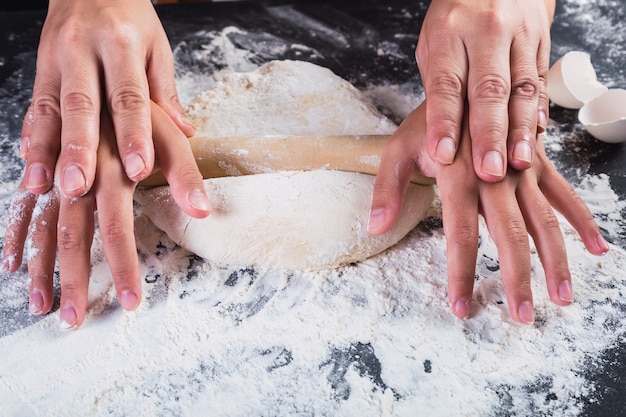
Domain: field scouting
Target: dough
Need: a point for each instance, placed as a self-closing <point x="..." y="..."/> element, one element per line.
<point x="299" y="220"/>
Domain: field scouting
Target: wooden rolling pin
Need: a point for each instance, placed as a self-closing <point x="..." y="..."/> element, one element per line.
<point x="231" y="156"/>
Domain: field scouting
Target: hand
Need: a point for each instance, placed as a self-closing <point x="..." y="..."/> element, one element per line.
<point x="91" y="52"/>
<point x="519" y="205"/>
<point x="52" y="222"/>
<point x="494" y="55"/>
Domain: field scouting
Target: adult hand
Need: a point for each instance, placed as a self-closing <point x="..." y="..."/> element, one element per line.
<point x="494" y="55"/>
<point x="53" y="222"/>
<point x="92" y="52"/>
<point x="519" y="205"/>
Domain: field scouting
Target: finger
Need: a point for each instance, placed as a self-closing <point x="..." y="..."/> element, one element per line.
<point x="179" y="166"/>
<point x="42" y="252"/>
<point x="163" y="86"/>
<point x="114" y="197"/>
<point x="18" y="218"/>
<point x="565" y="200"/>
<point x="508" y="230"/>
<point x="75" y="230"/>
<point x="27" y="130"/>
<point x="80" y="112"/>
<point x="45" y="132"/>
<point x="543" y="66"/>
<point x="128" y="101"/>
<point x="523" y="103"/>
<point x="401" y="156"/>
<point x="461" y="230"/>
<point x="390" y="186"/>
<point x="488" y="92"/>
<point x="546" y="232"/>
<point x="442" y="63"/>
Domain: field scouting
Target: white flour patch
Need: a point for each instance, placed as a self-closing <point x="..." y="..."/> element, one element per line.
<point x="374" y="338"/>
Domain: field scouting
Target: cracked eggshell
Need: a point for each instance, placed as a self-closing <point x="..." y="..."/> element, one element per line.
<point x="605" y="116"/>
<point x="572" y="81"/>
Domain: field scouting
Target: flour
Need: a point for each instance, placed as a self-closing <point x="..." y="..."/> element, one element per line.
<point x="374" y="338"/>
<point x="297" y="220"/>
<point x="285" y="97"/>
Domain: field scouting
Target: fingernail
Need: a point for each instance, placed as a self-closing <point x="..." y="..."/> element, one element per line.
<point x="198" y="200"/>
<point x="542" y="122"/>
<point x="602" y="244"/>
<point x="73" y="179"/>
<point x="129" y="300"/>
<point x="492" y="164"/>
<point x="36" y="302"/>
<point x="68" y="317"/>
<point x="523" y="152"/>
<point x="377" y="220"/>
<point x="565" y="291"/>
<point x="462" y="308"/>
<point x="446" y="150"/>
<point x="134" y="166"/>
<point x="526" y="313"/>
<point x="37" y="176"/>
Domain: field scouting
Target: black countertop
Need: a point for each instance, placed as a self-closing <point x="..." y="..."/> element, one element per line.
<point x="359" y="30"/>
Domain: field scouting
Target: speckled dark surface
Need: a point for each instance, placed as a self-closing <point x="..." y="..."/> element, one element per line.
<point x="366" y="26"/>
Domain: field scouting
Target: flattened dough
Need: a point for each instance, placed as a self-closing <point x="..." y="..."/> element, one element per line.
<point x="299" y="220"/>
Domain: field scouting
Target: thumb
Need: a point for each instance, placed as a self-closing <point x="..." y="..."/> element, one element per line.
<point x="163" y="91"/>
<point x="391" y="184"/>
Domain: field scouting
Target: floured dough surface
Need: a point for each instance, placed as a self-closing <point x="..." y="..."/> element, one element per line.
<point x="285" y="98"/>
<point x="303" y="220"/>
<point x="299" y="220"/>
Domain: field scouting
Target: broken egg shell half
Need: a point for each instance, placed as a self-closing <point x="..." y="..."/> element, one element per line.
<point x="605" y="116"/>
<point x="572" y="81"/>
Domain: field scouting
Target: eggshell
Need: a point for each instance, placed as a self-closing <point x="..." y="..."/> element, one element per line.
<point x="572" y="81"/>
<point x="605" y="116"/>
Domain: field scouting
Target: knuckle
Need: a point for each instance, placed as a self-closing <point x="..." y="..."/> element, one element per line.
<point x="71" y="288"/>
<point x="548" y="219"/>
<point x="446" y="85"/>
<point x="119" y="34"/>
<point x="516" y="233"/>
<point x="527" y="89"/>
<point x="522" y="285"/>
<point x="79" y="103"/>
<point x="492" y="88"/>
<point x="128" y="97"/>
<point x="46" y="106"/>
<point x="542" y="83"/>
<point x="463" y="235"/>
<point x="114" y="232"/>
<point x="189" y="174"/>
<point x="494" y="21"/>
<point x="123" y="274"/>
<point x="72" y="32"/>
<point x="70" y="242"/>
<point x="384" y="191"/>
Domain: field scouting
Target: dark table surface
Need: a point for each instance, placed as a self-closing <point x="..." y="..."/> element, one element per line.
<point x="364" y="30"/>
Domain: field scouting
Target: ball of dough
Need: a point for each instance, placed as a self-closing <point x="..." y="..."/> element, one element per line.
<point x="296" y="220"/>
<point x="304" y="220"/>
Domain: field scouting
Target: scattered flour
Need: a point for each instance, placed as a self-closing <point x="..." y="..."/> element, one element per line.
<point x="374" y="338"/>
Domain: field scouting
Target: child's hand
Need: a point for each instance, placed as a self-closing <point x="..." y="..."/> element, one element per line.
<point x="53" y="222"/>
<point x="519" y="205"/>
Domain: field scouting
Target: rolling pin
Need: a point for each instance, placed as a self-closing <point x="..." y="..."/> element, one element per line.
<point x="231" y="156"/>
